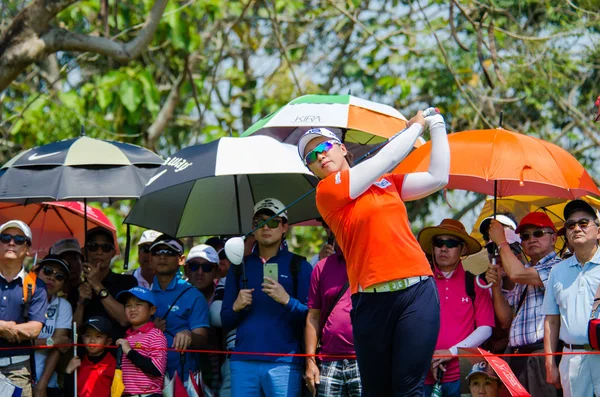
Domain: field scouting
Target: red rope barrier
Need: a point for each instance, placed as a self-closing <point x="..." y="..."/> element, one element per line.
<point x="333" y="356"/>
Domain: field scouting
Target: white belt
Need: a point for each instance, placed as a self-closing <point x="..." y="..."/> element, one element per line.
<point x="6" y="361"/>
<point x="394" y="285"/>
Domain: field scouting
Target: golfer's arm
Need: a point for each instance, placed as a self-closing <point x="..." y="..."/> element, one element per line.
<point x="363" y="175"/>
<point x="421" y="184"/>
<point x="115" y="310"/>
<point x="311" y="332"/>
<point x="515" y="269"/>
<point x="551" y="331"/>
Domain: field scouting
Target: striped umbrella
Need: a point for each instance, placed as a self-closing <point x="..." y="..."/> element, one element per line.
<point x="77" y="169"/>
<point x="211" y="189"/>
<point x="358" y="122"/>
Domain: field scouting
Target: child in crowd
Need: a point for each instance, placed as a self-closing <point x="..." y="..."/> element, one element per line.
<point x="144" y="347"/>
<point x="483" y="381"/>
<point x="96" y="370"/>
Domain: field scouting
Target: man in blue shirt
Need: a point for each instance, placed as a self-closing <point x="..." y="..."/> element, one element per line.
<point x="20" y="321"/>
<point x="181" y="311"/>
<point x="270" y="312"/>
<point x="568" y="305"/>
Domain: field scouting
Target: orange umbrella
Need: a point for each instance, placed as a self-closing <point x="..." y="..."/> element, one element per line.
<point x="518" y="164"/>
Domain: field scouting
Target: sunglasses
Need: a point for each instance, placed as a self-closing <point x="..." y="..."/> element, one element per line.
<point x="58" y="276"/>
<point x="94" y="247"/>
<point x="570" y="225"/>
<point x="447" y="243"/>
<point x="18" y="239"/>
<point x="271" y="224"/>
<point x="536" y="234"/>
<point x="164" y="252"/>
<point x="206" y="267"/>
<point x="322" y="147"/>
<point x="144" y="248"/>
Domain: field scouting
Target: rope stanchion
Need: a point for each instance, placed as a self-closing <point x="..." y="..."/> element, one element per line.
<point x="334" y="356"/>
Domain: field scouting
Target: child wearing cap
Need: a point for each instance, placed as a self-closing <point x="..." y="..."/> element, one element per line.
<point x="144" y="346"/>
<point x="96" y="370"/>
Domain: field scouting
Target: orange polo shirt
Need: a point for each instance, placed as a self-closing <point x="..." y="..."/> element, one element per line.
<point x="373" y="230"/>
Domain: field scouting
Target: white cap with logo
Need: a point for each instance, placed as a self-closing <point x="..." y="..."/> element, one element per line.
<point x="312" y="134"/>
<point x="203" y="251"/>
<point x="272" y="205"/>
<point x="16" y="224"/>
<point x="148" y="237"/>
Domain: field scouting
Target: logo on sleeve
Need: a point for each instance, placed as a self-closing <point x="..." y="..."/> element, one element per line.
<point x="383" y="183"/>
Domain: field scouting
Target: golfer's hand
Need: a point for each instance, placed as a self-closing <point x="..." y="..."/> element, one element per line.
<point x="182" y="340"/>
<point x="244" y="299"/>
<point x="553" y="376"/>
<point x="417" y="119"/>
<point x="275" y="291"/>
<point x="312" y="376"/>
<point x="496" y="232"/>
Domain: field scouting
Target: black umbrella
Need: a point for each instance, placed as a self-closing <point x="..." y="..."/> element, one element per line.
<point x="211" y="189"/>
<point x="83" y="169"/>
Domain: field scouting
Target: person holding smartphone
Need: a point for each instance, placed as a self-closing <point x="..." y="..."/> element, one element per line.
<point x="268" y="309"/>
<point x="395" y="306"/>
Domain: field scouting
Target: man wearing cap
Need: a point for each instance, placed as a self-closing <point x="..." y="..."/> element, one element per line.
<point x="70" y="251"/>
<point x="144" y="273"/>
<point x="568" y="302"/>
<point x="522" y="307"/>
<point x="201" y="269"/>
<point x="268" y="310"/>
<point x="219" y="245"/>
<point x="463" y="322"/>
<point x="96" y="296"/>
<point x="181" y="311"/>
<point x="20" y="321"/>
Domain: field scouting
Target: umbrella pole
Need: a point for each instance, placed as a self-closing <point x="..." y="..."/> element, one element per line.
<point x="239" y="219"/>
<point x="85" y="253"/>
<point x="75" y="355"/>
<point x="127" y="246"/>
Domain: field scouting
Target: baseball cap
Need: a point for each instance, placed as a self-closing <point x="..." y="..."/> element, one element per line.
<point x="272" y="205"/>
<point x="55" y="260"/>
<point x="579" y="205"/>
<point x="66" y="245"/>
<point x="484" y="368"/>
<point x="539" y="219"/>
<point x="203" y="251"/>
<point x="99" y="323"/>
<point x="22" y="226"/>
<point x="171" y="242"/>
<point x="148" y="237"/>
<point x="139" y="292"/>
<point x="503" y="219"/>
<point x="312" y="134"/>
<point x="99" y="230"/>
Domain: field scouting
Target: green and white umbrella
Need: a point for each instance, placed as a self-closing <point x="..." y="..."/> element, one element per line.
<point x="358" y="122"/>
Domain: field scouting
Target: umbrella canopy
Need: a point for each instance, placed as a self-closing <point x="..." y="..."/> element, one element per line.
<point x="520" y="164"/>
<point x="211" y="189"/>
<point x="359" y="123"/>
<point x="50" y="222"/>
<point x="77" y="169"/>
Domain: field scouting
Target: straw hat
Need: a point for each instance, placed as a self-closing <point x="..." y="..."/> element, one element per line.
<point x="447" y="227"/>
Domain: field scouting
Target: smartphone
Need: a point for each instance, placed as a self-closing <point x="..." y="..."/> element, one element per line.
<point x="271" y="270"/>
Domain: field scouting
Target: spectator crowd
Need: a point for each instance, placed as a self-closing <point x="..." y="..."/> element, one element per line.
<point x="279" y="303"/>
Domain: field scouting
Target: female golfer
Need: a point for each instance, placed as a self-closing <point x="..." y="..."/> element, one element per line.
<point x="395" y="314"/>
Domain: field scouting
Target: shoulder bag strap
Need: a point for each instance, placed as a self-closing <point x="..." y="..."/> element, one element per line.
<point x="522" y="299"/>
<point x="175" y="301"/>
<point x="335" y="302"/>
<point x="596" y="303"/>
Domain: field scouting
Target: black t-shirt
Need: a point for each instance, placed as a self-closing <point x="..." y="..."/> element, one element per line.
<point x="114" y="283"/>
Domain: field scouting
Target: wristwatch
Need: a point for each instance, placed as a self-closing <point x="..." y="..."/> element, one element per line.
<point x="49" y="341"/>
<point x="103" y="293"/>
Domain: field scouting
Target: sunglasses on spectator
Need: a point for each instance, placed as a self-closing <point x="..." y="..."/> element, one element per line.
<point x="271" y="224"/>
<point x="570" y="225"/>
<point x="322" y="147"/>
<point x="94" y="247"/>
<point x="145" y="248"/>
<point x="206" y="266"/>
<point x="438" y="242"/>
<point x="164" y="252"/>
<point x="537" y="234"/>
<point x="58" y="276"/>
<point x="18" y="239"/>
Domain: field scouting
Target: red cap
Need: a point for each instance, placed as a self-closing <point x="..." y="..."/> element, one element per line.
<point x="539" y="219"/>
